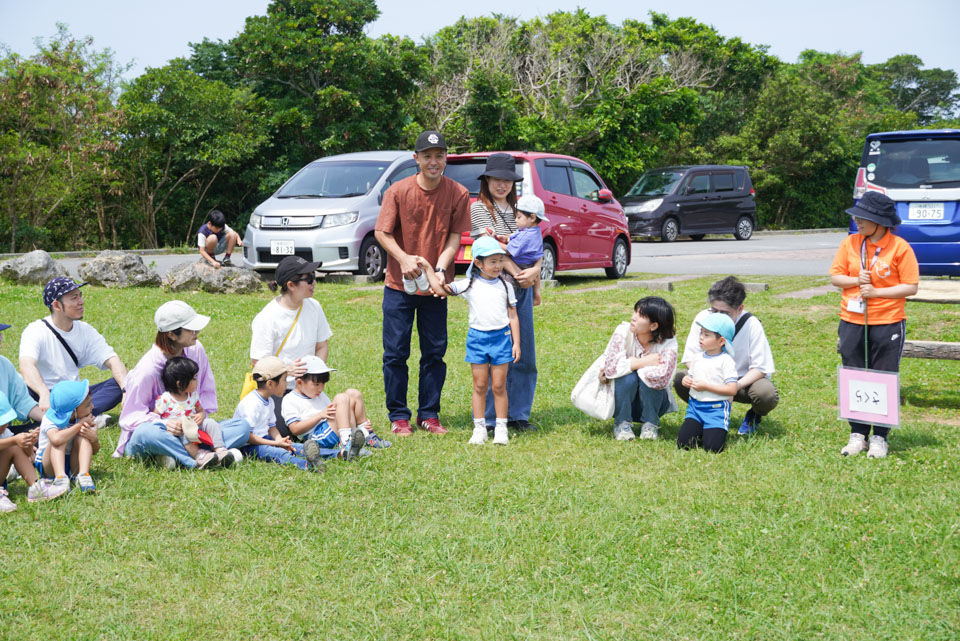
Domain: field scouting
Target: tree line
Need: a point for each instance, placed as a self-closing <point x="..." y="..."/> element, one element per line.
<point x="90" y="161"/>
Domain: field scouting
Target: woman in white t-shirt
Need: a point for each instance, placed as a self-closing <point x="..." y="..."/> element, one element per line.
<point x="292" y="325"/>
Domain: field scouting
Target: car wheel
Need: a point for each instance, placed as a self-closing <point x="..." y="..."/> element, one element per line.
<point x="373" y="260"/>
<point x="697" y="236"/>
<point x="744" y="228"/>
<point x="619" y="267"/>
<point x="548" y="268"/>
<point x="669" y="230"/>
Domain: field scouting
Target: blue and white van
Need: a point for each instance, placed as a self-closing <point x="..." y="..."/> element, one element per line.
<point x="920" y="171"/>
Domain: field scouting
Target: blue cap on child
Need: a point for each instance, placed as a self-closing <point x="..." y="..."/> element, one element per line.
<point x="720" y="323"/>
<point x="6" y="412"/>
<point x="65" y="397"/>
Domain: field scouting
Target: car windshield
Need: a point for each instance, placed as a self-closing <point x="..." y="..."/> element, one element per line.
<point x="334" y="179"/>
<point x="656" y="183"/>
<point x="905" y="164"/>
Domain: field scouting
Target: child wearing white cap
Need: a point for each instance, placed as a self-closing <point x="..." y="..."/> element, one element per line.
<point x="525" y="245"/>
<point x="308" y="413"/>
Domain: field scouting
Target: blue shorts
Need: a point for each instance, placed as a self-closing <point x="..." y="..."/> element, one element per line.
<point x="325" y="436"/>
<point x="710" y="414"/>
<point x="494" y="346"/>
<point x="66" y="468"/>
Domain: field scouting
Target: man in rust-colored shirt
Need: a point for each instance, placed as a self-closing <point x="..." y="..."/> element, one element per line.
<point x="422" y="216"/>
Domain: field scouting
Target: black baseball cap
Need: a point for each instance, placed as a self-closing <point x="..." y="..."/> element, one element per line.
<point x="430" y="140"/>
<point x="291" y="267"/>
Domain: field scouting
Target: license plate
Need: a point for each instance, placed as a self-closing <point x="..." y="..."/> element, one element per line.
<point x="281" y="247"/>
<point x="925" y="211"/>
<point x="468" y="252"/>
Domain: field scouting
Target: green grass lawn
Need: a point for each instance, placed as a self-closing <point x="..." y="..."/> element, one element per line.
<point x="564" y="534"/>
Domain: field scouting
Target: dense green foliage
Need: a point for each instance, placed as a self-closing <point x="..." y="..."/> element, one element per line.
<point x="564" y="534"/>
<point x="86" y="161"/>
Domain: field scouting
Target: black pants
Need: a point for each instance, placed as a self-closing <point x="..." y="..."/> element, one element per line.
<point x="692" y="434"/>
<point x="885" y="343"/>
<point x="278" y="414"/>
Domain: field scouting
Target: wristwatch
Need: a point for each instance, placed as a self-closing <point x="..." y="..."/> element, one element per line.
<point x="439" y="270"/>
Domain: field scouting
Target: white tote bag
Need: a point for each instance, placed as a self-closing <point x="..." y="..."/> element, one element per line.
<point x="592" y="398"/>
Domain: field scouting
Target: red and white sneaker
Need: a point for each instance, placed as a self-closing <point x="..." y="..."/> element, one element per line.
<point x="432" y="425"/>
<point x="401" y="427"/>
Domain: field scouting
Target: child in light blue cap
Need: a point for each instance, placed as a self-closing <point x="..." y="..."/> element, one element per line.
<point x="17" y="449"/>
<point x="493" y="340"/>
<point x="68" y="436"/>
<point x="712" y="380"/>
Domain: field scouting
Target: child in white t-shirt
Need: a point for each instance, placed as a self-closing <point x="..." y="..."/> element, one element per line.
<point x="308" y="412"/>
<point x="712" y="381"/>
<point x="18" y="450"/>
<point x="257" y="409"/>
<point x="493" y="340"/>
<point x="181" y="402"/>
<point x="68" y="436"/>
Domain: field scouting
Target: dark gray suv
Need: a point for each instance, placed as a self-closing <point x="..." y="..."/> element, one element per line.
<point x="692" y="200"/>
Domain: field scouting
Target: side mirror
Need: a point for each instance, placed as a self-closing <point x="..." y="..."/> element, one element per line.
<point x="604" y="196"/>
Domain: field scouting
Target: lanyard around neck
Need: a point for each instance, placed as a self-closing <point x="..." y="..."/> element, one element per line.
<point x="863" y="255"/>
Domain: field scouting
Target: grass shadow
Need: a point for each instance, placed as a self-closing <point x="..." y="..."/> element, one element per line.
<point x="924" y="396"/>
<point x="911" y="439"/>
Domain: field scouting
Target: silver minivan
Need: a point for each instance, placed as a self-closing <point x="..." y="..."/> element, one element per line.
<point x="326" y="212"/>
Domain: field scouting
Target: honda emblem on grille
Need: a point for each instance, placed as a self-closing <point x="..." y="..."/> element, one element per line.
<point x="284" y="222"/>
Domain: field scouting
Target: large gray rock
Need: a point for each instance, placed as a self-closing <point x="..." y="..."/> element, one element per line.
<point x="118" y="269"/>
<point x="200" y="276"/>
<point x="35" y="268"/>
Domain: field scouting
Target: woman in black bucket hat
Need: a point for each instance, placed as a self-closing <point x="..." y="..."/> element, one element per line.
<point x="494" y="212"/>
<point x="876" y="270"/>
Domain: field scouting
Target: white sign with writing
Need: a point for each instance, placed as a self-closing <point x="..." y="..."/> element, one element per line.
<point x="868" y="397"/>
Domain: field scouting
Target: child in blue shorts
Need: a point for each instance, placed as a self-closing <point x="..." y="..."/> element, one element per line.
<point x="68" y="436"/>
<point x="493" y="323"/>
<point x="309" y="412"/>
<point x="712" y="380"/>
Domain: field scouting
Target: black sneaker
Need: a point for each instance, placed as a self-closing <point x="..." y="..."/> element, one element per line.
<point x="522" y="426"/>
<point x="311" y="452"/>
<point x="226" y="262"/>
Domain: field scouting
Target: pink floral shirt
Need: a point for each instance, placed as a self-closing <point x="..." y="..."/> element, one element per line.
<point x="167" y="406"/>
<point x="623" y="346"/>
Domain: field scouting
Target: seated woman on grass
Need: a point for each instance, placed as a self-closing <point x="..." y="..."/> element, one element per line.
<point x="144" y="432"/>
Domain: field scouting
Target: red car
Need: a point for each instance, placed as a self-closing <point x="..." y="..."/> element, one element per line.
<point x="587" y="228"/>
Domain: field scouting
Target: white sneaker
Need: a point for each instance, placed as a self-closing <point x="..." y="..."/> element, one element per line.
<point x="878" y="447"/>
<point x="166" y="462"/>
<point x="102" y="420"/>
<point x="624" y="431"/>
<point x="479" y="436"/>
<point x="13" y="474"/>
<point x="648" y="432"/>
<point x="856" y="444"/>
<point x="500" y="436"/>
<point x="6" y="505"/>
<point x="237" y="455"/>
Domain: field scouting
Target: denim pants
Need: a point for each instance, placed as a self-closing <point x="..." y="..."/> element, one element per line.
<point x="212" y="428"/>
<point x="522" y="375"/>
<point x="153" y="439"/>
<point x="276" y="454"/>
<point x="399" y="309"/>
<point x="634" y="401"/>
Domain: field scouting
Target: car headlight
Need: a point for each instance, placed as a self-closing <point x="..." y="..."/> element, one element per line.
<point x="255" y="220"/>
<point x="336" y="220"/>
<point x="643" y="208"/>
